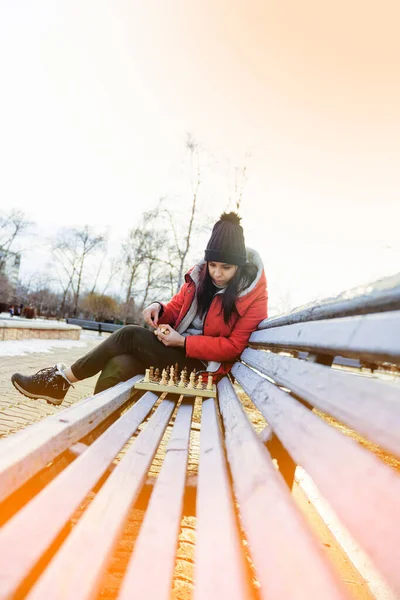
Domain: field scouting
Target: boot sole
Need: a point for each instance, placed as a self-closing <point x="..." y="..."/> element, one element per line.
<point x="49" y="400"/>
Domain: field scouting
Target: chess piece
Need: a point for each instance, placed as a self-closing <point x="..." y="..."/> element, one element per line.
<point x="147" y="376"/>
<point x="157" y="375"/>
<point x="199" y="385"/>
<point x="171" y="377"/>
<point x="176" y="368"/>
<point x="163" y="377"/>
<point x="192" y="381"/>
<point x="182" y="381"/>
<point x="209" y="383"/>
<point x="151" y="373"/>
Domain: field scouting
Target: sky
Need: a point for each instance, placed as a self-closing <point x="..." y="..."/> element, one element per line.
<point x="97" y="97"/>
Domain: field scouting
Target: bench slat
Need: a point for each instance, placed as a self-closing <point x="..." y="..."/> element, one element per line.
<point x="371" y="337"/>
<point x="379" y="296"/>
<point x="289" y="562"/>
<point x="356" y="483"/>
<point x="24" y="454"/>
<point x="26" y="537"/>
<point x="76" y="571"/>
<point x="155" y="547"/>
<point x="219" y="568"/>
<point x="371" y="407"/>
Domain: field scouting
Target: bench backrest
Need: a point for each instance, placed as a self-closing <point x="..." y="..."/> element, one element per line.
<point x="321" y="415"/>
<point x="99" y="326"/>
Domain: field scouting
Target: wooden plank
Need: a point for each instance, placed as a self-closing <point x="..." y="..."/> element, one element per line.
<point x="28" y="451"/>
<point x="369" y="337"/>
<point x="363" y="491"/>
<point x="219" y="568"/>
<point x="153" y="558"/>
<point x="370" y="406"/>
<point x="379" y="296"/>
<point x="26" y="537"/>
<point x="97" y="533"/>
<point x="289" y="562"/>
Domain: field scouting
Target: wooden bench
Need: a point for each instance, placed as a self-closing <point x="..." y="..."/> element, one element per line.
<point x="331" y="420"/>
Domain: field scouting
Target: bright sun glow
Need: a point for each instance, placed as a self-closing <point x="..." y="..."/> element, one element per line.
<point x="97" y="99"/>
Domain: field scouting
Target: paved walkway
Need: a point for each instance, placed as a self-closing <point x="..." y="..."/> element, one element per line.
<point x="17" y="412"/>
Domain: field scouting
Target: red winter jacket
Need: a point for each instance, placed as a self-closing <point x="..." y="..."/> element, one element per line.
<point x="221" y="343"/>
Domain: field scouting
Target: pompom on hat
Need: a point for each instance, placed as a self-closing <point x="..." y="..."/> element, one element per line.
<point x="226" y="243"/>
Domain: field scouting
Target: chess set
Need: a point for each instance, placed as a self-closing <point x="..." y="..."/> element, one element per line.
<point x="170" y="381"/>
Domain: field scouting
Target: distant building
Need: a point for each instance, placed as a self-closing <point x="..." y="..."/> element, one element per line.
<point x="9" y="265"/>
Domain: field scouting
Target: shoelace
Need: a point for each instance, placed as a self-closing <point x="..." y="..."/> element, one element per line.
<point x="47" y="375"/>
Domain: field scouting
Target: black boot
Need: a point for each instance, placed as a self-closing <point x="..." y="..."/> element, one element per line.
<point x="49" y="384"/>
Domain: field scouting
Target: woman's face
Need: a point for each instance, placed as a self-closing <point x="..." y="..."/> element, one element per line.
<point x="221" y="273"/>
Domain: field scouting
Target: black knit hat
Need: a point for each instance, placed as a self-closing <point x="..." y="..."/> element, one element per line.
<point x="226" y="243"/>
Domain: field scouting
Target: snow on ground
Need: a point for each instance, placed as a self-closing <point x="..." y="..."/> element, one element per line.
<point x="23" y="347"/>
<point x="6" y="316"/>
<point x="21" y="323"/>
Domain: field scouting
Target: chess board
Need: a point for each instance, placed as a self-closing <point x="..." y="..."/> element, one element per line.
<point x="155" y="386"/>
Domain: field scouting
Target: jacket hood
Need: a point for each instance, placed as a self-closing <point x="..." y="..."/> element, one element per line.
<point x="252" y="257"/>
<point x="246" y="296"/>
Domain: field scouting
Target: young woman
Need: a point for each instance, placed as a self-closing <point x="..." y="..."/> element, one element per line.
<point x="206" y="325"/>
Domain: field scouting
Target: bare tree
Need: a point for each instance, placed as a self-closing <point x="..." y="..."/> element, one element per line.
<point x="6" y="289"/>
<point x="66" y="264"/>
<point x="87" y="243"/>
<point x="71" y="249"/>
<point x="12" y="225"/>
<point x="239" y="184"/>
<point x="144" y="256"/>
<point x="109" y="268"/>
<point x="182" y="234"/>
<point x="115" y="268"/>
<point x="183" y="251"/>
<point x="133" y="255"/>
<point x="100" y="306"/>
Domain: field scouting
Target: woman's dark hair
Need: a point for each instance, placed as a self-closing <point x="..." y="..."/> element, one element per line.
<point x="243" y="277"/>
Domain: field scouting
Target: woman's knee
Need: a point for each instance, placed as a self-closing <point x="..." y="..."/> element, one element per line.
<point x="137" y="335"/>
<point x="119" y="368"/>
<point x="131" y="328"/>
<point x="133" y="331"/>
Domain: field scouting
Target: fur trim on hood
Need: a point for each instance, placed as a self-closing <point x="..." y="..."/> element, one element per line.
<point x="253" y="257"/>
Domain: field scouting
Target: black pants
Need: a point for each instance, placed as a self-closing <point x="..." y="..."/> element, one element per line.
<point x="128" y="352"/>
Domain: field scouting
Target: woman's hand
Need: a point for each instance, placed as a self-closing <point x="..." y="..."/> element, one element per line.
<point x="150" y="314"/>
<point x="170" y="337"/>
